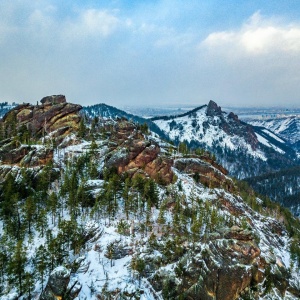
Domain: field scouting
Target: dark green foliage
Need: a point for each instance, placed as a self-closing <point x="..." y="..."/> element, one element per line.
<point x="282" y="186"/>
<point x="144" y="128"/>
<point x="196" y="177"/>
<point x="295" y="250"/>
<point x="10" y="128"/>
<point x="169" y="289"/>
<point x="183" y="148"/>
<point x="16" y="267"/>
<point x="82" y="129"/>
<point x="42" y="263"/>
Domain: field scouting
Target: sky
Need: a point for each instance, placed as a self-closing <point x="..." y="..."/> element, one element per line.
<point x="151" y="53"/>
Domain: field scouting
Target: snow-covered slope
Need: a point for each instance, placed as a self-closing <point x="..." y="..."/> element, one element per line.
<point x="5" y="107"/>
<point x="286" y="127"/>
<point x="116" y="213"/>
<point x="230" y="139"/>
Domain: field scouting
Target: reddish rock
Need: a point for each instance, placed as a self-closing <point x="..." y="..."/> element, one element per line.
<point x="59" y="119"/>
<point x="133" y="154"/>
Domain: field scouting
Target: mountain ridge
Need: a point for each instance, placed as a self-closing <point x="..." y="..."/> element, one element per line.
<point x="210" y="128"/>
<point x="125" y="214"/>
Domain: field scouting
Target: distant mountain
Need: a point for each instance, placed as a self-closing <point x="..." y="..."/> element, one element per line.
<point x="110" y="112"/>
<point x="5" y="107"/>
<point x="246" y="151"/>
<point x="243" y="149"/>
<point x="285" y="127"/>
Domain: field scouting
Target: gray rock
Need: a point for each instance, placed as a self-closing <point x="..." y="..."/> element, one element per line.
<point x="57" y="284"/>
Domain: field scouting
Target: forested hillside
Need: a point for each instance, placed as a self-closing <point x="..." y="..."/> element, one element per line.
<point x="282" y="186"/>
<point x="104" y="209"/>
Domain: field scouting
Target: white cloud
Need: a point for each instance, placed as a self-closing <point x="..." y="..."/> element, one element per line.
<point x="98" y="22"/>
<point x="92" y="22"/>
<point x="258" y="36"/>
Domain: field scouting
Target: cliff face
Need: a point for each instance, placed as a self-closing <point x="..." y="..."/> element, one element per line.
<point x="44" y="118"/>
<point x="25" y="127"/>
<point x="130" y="152"/>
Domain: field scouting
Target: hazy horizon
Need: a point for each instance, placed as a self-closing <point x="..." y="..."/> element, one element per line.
<point x="240" y="54"/>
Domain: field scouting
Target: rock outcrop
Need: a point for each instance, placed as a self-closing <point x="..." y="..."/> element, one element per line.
<point x="54" y="99"/>
<point x="56" y="287"/>
<point x="213" y="109"/>
<point x="42" y="119"/>
<point x="232" y="126"/>
<point x="40" y="125"/>
<point x="209" y="175"/>
<point x="130" y="152"/>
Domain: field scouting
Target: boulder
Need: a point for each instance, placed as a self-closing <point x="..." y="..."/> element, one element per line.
<point x="54" y="99"/>
<point x="56" y="287"/>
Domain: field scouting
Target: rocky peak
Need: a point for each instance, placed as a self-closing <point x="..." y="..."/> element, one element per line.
<point x="131" y="152"/>
<point x="233" y="116"/>
<point x="232" y="125"/>
<point x="213" y="109"/>
<point x="54" y="99"/>
<point x="37" y="118"/>
<point x="29" y="124"/>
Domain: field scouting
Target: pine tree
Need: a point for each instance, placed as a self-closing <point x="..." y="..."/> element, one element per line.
<point x="110" y="252"/>
<point x="28" y="284"/>
<point x="4" y="256"/>
<point x="53" y="205"/>
<point x="29" y="209"/>
<point x="127" y="196"/>
<point x="151" y="192"/>
<point x="138" y="264"/>
<point x="41" y="262"/>
<point x="41" y="221"/>
<point x="82" y="129"/>
<point x="16" y="266"/>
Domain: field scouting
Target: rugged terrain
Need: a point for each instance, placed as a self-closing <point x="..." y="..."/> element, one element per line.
<point x="287" y="128"/>
<point x="243" y="149"/>
<point x="106" y="209"/>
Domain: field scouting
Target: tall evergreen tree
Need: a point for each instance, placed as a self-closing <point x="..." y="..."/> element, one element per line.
<point x="16" y="266"/>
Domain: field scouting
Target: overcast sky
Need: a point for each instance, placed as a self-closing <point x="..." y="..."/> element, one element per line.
<point x="238" y="53"/>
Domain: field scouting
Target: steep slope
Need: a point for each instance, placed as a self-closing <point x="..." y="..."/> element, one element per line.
<point x="118" y="213"/>
<point x="241" y="148"/>
<point x="285" y="127"/>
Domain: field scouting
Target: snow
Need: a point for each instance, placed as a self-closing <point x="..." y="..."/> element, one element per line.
<point x="185" y="130"/>
<point x="61" y="272"/>
<point x="286" y="127"/>
<point x="10" y="296"/>
<point x="273" y="136"/>
<point x="94" y="182"/>
<point x="97" y="272"/>
<point x="268" y="144"/>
